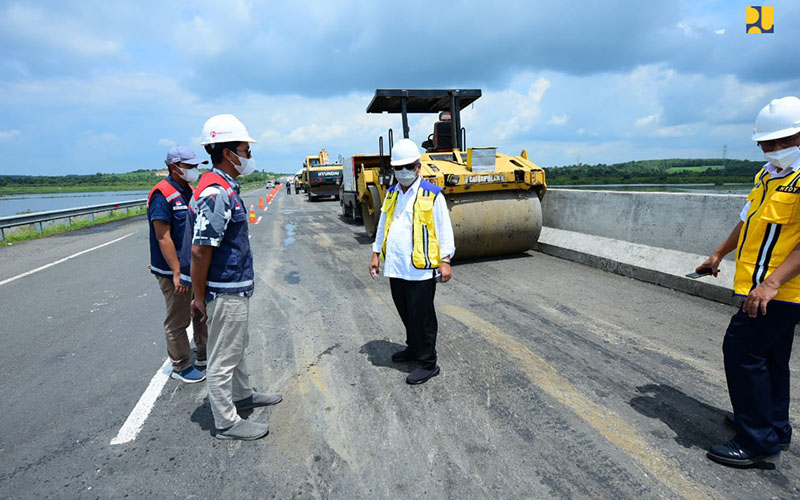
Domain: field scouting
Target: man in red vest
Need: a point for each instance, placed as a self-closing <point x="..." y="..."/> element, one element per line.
<point x="166" y="212"/>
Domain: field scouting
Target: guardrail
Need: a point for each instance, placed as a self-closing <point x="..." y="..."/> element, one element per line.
<point x="40" y="219"/>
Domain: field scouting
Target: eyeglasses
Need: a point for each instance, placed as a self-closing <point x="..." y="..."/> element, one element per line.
<point x="410" y="166"/>
<point x="246" y="154"/>
<point x="783" y="142"/>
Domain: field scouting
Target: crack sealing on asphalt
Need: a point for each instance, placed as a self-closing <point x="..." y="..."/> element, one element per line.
<point x="326" y="352"/>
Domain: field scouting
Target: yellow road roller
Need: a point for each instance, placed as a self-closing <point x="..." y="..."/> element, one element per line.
<point x="494" y="199"/>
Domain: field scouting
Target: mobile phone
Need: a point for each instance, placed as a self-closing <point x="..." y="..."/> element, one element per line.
<point x="706" y="271"/>
<point x="437" y="275"/>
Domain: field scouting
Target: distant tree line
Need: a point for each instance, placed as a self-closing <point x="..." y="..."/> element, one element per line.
<point x="685" y="171"/>
<point x="138" y="179"/>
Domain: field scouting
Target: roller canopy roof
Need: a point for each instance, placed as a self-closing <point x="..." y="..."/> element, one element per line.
<point x="420" y="101"/>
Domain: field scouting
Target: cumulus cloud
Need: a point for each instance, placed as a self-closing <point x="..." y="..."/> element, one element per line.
<point x="167" y="143"/>
<point x="6" y="135"/>
<point x="647" y="120"/>
<point x="658" y="81"/>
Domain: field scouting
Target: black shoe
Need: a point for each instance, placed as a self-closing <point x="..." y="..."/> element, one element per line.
<point x="402" y="356"/>
<point x="731" y="453"/>
<point x="730" y="420"/>
<point x="421" y="375"/>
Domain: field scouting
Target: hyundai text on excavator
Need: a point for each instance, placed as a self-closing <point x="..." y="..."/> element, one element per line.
<point x="494" y="199"/>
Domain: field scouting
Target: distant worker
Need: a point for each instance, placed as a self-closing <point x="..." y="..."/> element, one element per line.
<point x="288" y="187"/>
<point x="222" y="277"/>
<point x="758" y="342"/>
<point x="415" y="240"/>
<point x="167" y="205"/>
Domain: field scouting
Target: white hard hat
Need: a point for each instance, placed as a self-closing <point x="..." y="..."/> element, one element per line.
<point x="404" y="152"/>
<point x="225" y="128"/>
<point x="780" y="118"/>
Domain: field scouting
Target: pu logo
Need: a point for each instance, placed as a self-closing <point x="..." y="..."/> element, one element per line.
<point x="760" y="19"/>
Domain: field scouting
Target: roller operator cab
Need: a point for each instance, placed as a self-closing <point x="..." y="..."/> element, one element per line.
<point x="494" y="199"/>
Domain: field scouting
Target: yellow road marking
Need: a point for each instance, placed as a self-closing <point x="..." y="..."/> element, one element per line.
<point x="316" y="378"/>
<point x="611" y="426"/>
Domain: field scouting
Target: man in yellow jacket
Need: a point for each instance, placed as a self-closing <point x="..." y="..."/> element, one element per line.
<point x="758" y="342"/>
<point x="415" y="240"/>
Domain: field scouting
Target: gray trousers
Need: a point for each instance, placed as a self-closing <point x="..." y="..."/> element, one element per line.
<point x="175" y="324"/>
<point x="227" y="376"/>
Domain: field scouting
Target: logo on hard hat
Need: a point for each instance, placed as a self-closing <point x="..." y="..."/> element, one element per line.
<point x="213" y="134"/>
<point x="760" y="19"/>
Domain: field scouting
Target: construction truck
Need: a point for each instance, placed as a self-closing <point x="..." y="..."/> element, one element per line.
<point x="352" y="169"/>
<point x="494" y="199"/>
<point x="311" y="161"/>
<point x="321" y="178"/>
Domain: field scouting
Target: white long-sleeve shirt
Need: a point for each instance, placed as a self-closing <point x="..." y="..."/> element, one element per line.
<point x="401" y="236"/>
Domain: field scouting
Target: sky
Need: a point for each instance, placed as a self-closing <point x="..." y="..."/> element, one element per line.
<point x="96" y="86"/>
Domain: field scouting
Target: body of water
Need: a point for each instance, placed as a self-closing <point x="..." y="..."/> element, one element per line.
<point x="19" y="203"/>
<point x="666" y="188"/>
<point x="15" y="204"/>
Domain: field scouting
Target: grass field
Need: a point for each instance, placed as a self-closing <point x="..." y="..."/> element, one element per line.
<point x="19" y="236"/>
<point x="678" y="170"/>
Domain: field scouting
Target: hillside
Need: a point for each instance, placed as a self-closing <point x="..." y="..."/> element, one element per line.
<point x="669" y="171"/>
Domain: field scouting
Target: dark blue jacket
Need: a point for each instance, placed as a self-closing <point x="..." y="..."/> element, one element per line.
<point x="231" y="269"/>
<point x="168" y="201"/>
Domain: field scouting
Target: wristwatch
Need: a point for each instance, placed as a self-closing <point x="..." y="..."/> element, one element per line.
<point x="446" y="261"/>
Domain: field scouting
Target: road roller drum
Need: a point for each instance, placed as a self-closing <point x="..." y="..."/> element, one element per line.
<point x="494" y="223"/>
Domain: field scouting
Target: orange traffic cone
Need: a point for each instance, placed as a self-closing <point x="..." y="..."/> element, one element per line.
<point x="269" y="198"/>
<point x="261" y="203"/>
<point x="252" y="214"/>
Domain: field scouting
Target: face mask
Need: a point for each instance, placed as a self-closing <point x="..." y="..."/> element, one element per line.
<point x="189" y="174"/>
<point x="247" y="167"/>
<point x="783" y="158"/>
<point x="405" y="177"/>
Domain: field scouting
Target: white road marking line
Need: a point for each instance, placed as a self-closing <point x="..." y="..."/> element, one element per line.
<point x="259" y="219"/>
<point x="130" y="429"/>
<point x="59" y="261"/>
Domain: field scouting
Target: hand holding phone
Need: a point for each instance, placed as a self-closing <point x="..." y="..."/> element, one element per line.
<point x="705" y="271"/>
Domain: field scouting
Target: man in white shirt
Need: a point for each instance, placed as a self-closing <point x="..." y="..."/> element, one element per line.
<point x="415" y="240"/>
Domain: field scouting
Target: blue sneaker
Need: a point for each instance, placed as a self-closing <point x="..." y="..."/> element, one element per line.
<point x="190" y="375"/>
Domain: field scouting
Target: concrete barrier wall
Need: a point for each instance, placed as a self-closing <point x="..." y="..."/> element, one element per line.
<point x="694" y="223"/>
<point x="654" y="237"/>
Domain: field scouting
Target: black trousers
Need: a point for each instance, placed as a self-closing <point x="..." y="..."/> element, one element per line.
<point x="757" y="352"/>
<point x="414" y="302"/>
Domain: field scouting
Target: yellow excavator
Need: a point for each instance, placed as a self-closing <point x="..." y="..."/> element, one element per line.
<point x="494" y="199"/>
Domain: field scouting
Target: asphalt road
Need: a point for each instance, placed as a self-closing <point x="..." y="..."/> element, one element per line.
<point x="558" y="380"/>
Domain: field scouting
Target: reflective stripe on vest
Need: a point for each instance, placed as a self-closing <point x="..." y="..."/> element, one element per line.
<point x="770" y="233"/>
<point x="231" y="268"/>
<point x="212" y="178"/>
<point x="174" y="198"/>
<point x="165" y="188"/>
<point x="425" y="246"/>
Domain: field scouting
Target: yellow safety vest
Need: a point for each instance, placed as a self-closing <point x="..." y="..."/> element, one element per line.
<point x="425" y="247"/>
<point x="770" y="233"/>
